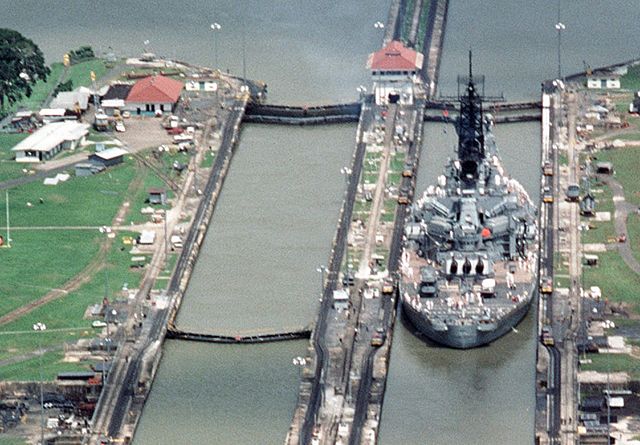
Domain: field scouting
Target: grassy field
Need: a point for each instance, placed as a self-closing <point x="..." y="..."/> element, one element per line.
<point x="29" y="370"/>
<point x="617" y="281"/>
<point x="64" y="317"/>
<point x="600" y="232"/>
<point x="40" y="90"/>
<point x="389" y="210"/>
<point x="613" y="363"/>
<point x="80" y="201"/>
<point x="39" y="261"/>
<point x="6" y="440"/>
<point x="9" y="169"/>
<point x="631" y="80"/>
<point x="80" y="74"/>
<point x="633" y="234"/>
<point x="208" y="159"/>
<point x="626" y="163"/>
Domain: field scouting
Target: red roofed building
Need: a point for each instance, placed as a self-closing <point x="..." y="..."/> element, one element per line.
<point x="395" y="58"/>
<point x="153" y="94"/>
<point x="394" y="68"/>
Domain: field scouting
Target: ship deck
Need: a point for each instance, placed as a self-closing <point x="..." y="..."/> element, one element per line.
<point x="451" y="306"/>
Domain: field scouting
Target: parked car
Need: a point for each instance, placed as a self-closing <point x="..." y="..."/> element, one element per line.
<point x="573" y="192"/>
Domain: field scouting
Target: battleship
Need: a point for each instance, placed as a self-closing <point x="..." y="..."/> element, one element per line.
<point x="469" y="261"/>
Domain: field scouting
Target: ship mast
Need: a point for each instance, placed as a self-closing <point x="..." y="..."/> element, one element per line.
<point x="471" y="150"/>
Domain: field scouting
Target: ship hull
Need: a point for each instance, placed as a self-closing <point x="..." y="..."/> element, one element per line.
<point x="466" y="336"/>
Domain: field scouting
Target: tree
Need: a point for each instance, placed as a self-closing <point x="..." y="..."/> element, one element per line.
<point x="21" y="66"/>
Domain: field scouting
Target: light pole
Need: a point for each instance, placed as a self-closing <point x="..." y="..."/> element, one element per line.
<point x="215" y="27"/>
<point x="559" y="27"/>
<point x="41" y="327"/>
<point x="346" y="171"/>
<point x="321" y="269"/>
<point x="110" y="317"/>
<point x="376" y="87"/>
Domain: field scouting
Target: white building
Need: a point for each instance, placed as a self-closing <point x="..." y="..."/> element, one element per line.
<point x="50" y="140"/>
<point x="603" y="80"/>
<point x="394" y="69"/>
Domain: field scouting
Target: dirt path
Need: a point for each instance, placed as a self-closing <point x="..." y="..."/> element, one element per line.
<point x="86" y="274"/>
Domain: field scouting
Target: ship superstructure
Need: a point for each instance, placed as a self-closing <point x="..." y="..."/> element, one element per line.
<point x="470" y="257"/>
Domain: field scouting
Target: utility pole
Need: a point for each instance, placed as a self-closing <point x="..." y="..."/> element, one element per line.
<point x="8" y="224"/>
<point x="560" y="27"/>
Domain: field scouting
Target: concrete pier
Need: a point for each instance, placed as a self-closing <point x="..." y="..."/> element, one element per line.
<point x="342" y="388"/>
<point x="135" y="364"/>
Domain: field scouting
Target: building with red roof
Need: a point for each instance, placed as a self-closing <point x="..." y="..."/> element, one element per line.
<point x="154" y="94"/>
<point x="394" y="69"/>
<point x="395" y="58"/>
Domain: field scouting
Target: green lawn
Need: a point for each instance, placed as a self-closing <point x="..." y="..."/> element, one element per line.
<point x="617" y="281"/>
<point x="208" y="159"/>
<point x="631" y="80"/>
<point x="394" y="178"/>
<point x="613" y="363"/>
<point x="6" y="440"/>
<point x="80" y="201"/>
<point x="79" y="73"/>
<point x="600" y="233"/>
<point x="29" y="370"/>
<point x="10" y="169"/>
<point x="633" y="234"/>
<point x="563" y="158"/>
<point x="397" y="162"/>
<point x="67" y="313"/>
<point x="150" y="180"/>
<point x="626" y="163"/>
<point x="41" y="260"/>
<point x="40" y="90"/>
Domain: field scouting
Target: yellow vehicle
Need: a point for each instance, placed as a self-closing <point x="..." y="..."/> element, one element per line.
<point x="407" y="172"/>
<point x="547" y="195"/>
<point x="546" y="337"/>
<point x="546" y="285"/>
<point x="387" y="287"/>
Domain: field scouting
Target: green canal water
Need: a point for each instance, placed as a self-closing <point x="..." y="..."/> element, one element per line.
<point x="279" y="207"/>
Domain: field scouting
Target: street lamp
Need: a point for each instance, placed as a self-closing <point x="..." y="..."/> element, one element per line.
<point x="110" y="317"/>
<point x="346" y="171"/>
<point x="322" y="270"/>
<point x="362" y="90"/>
<point x="41" y="327"/>
<point x="215" y="27"/>
<point x="560" y="27"/>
